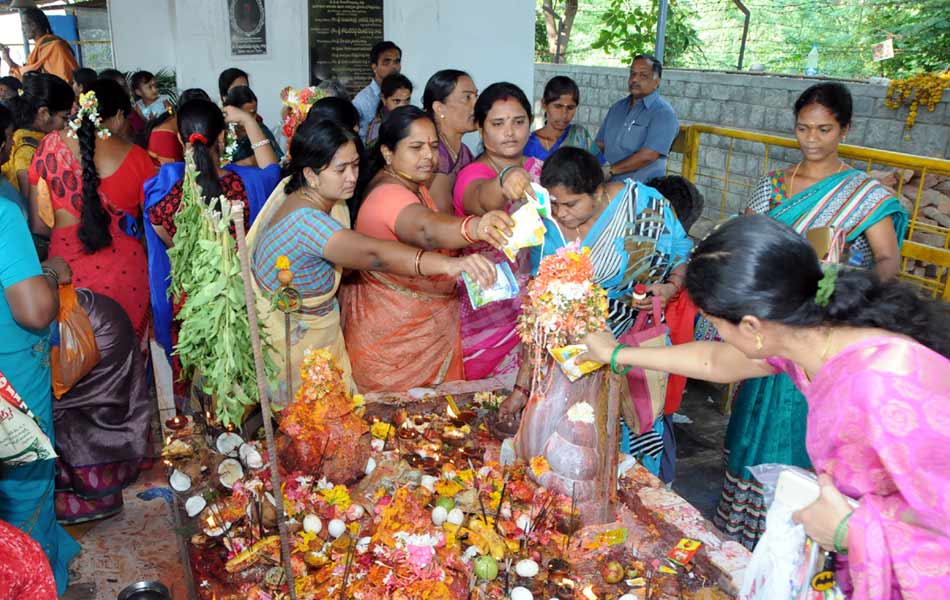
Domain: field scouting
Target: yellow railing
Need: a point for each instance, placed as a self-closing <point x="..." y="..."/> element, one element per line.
<point x="930" y="257"/>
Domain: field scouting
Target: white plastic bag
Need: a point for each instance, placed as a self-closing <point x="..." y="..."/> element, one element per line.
<point x="785" y="561"/>
<point x="21" y="438"/>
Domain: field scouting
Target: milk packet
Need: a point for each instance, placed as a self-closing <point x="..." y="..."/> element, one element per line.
<point x="505" y="288"/>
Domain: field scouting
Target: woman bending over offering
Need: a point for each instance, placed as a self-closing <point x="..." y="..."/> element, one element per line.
<point x="871" y="360"/>
<point x="403" y="332"/>
<point x="307" y="221"/>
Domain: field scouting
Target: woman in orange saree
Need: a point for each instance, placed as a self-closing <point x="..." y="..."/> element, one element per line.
<point x="403" y="332"/>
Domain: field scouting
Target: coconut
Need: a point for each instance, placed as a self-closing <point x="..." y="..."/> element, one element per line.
<point x="521" y="593"/>
<point x="194" y="505"/>
<point x="250" y="456"/>
<point x="336" y="528"/>
<point x="526" y="568"/>
<point x="229" y="443"/>
<point x="312" y="524"/>
<point x="179" y="481"/>
<point x="230" y="472"/>
<point x="455" y="516"/>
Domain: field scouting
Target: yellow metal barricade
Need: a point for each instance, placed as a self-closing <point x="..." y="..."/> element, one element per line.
<point x="925" y="254"/>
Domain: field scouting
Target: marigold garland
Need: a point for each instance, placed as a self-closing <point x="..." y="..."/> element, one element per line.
<point x="923" y="88"/>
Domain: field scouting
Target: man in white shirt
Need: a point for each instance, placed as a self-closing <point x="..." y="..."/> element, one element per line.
<point x="385" y="58"/>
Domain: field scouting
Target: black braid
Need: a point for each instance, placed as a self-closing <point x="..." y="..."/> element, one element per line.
<point x="94" y="221"/>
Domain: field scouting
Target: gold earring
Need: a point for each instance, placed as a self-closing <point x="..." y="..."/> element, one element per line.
<point x="758" y="341"/>
<point x="441" y="115"/>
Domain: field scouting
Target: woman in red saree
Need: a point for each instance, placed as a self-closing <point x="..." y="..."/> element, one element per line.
<point x="403" y="332"/>
<point x="95" y="187"/>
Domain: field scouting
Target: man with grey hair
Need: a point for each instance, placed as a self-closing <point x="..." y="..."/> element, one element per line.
<point x="636" y="136"/>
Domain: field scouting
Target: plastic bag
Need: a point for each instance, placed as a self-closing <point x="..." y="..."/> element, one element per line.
<point x="786" y="564"/>
<point x="505" y="287"/>
<point x="528" y="230"/>
<point x="77" y="352"/>
<point x="21" y="438"/>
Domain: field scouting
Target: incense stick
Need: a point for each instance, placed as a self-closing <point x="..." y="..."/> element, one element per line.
<point x="570" y="531"/>
<point x="478" y="491"/>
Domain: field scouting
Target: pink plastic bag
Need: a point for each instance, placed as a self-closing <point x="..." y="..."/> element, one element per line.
<point x="647" y="388"/>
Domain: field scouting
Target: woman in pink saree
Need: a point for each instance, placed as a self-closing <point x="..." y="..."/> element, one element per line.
<point x="498" y="179"/>
<point x="871" y="360"/>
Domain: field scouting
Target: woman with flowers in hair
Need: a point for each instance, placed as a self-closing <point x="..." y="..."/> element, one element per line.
<point x="201" y="126"/>
<point x="870" y="357"/>
<point x="95" y="178"/>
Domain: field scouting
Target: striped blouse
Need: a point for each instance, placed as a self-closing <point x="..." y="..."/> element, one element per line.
<point x="301" y="236"/>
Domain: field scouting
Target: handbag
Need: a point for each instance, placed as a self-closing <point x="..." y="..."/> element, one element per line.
<point x="77" y="352"/>
<point x="647" y="387"/>
<point x="21" y="438"/>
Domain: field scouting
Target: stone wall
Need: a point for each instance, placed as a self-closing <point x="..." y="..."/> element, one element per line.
<point x="753" y="102"/>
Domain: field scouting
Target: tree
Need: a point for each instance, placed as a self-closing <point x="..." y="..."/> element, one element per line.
<point x="630" y="28"/>
<point x="558" y="26"/>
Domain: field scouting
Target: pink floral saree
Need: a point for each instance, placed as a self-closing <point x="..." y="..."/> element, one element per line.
<point x="879" y="424"/>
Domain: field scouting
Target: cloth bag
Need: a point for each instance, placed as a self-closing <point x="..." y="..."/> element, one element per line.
<point x="647" y="388"/>
<point x="21" y="438"/>
<point x="77" y="352"/>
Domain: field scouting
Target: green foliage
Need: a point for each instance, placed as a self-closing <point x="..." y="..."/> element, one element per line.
<point x="781" y="33"/>
<point x="214" y="338"/>
<point x="629" y="29"/>
<point x="541" y="53"/>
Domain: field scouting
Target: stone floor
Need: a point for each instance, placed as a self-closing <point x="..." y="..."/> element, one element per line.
<point x="699" y="466"/>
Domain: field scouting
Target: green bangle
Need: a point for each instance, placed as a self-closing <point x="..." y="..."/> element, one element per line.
<point x="502" y="173"/>
<point x="841" y="534"/>
<point x="613" y="360"/>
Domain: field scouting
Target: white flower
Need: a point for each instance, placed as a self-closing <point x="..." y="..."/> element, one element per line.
<point x="571" y="290"/>
<point x="582" y="412"/>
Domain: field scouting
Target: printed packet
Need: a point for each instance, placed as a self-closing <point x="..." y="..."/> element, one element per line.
<point x="505" y="288"/>
<point x="566" y="357"/>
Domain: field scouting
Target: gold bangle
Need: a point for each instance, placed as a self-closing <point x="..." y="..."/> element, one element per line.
<point x="419" y="262"/>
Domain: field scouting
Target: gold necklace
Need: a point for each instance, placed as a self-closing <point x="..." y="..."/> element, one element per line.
<point x="828" y="338"/>
<point x="495" y="166"/>
<point x="454" y="154"/>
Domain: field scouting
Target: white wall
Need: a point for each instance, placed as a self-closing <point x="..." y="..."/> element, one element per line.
<point x="491" y="39"/>
<point x="142" y="34"/>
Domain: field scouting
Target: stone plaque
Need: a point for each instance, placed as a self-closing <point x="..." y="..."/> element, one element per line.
<point x="248" y="27"/>
<point x="342" y="32"/>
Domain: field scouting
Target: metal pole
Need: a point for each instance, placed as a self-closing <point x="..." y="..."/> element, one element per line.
<point x="661" y="29"/>
<point x="745" y="30"/>
<point x="237" y="214"/>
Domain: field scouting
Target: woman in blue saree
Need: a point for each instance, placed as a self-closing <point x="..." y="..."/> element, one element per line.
<point x="768" y="418"/>
<point x="634" y="237"/>
<point x="559" y="103"/>
<point x="201" y="125"/>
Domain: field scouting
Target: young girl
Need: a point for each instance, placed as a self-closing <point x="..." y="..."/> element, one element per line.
<point x="395" y="91"/>
<point x="150" y="104"/>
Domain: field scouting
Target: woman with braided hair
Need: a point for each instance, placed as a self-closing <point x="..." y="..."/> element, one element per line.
<point x="95" y="178"/>
<point x="201" y="127"/>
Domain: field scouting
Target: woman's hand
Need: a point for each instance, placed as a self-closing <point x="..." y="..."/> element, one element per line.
<point x="509" y="409"/>
<point x="600" y="346"/>
<point x="477" y="266"/>
<point x="495" y="228"/>
<point x="233" y="114"/>
<point x="64" y="274"/>
<point x="516" y="184"/>
<point x="663" y="291"/>
<point x="822" y="516"/>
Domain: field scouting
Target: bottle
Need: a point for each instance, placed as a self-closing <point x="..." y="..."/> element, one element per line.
<point x="811" y="62"/>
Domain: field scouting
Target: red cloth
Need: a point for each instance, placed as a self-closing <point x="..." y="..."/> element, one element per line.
<point x="120" y="270"/>
<point x="165" y="147"/>
<point x="680" y="317"/>
<point x="24" y="569"/>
